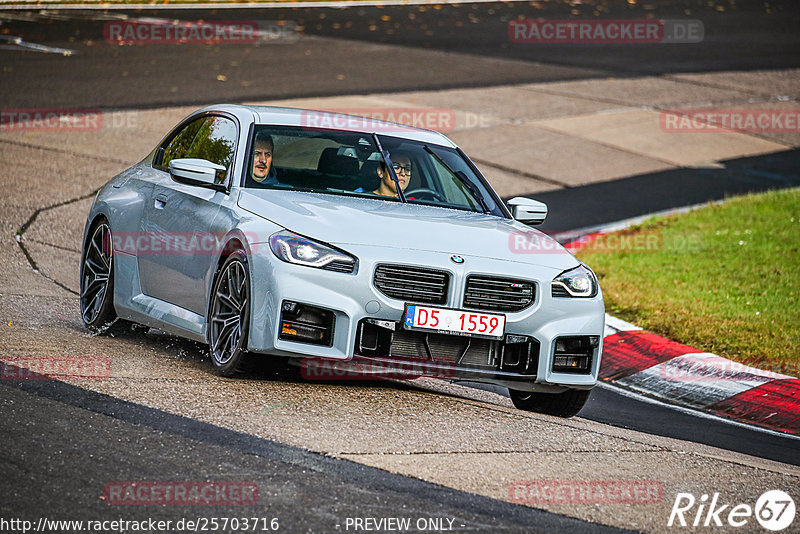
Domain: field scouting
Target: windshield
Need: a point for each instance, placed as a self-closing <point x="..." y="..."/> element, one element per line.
<point x="353" y="164"/>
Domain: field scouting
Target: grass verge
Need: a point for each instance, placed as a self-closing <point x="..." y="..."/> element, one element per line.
<point x="724" y="278"/>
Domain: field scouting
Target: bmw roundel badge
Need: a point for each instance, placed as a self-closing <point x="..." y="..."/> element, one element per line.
<point x="455" y="258"/>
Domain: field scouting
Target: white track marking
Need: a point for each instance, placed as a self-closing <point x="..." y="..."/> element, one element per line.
<point x="17" y="43"/>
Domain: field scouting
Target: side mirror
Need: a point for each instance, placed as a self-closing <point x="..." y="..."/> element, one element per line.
<point x="528" y="211"/>
<point x="198" y="172"/>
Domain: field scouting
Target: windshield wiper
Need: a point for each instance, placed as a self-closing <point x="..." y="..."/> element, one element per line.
<point x="476" y="194"/>
<point x="388" y="164"/>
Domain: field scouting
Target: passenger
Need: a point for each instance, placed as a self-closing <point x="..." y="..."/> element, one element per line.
<point x="401" y="164"/>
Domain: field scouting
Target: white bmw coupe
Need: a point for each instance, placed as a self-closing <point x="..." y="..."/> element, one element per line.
<point x="380" y="246"/>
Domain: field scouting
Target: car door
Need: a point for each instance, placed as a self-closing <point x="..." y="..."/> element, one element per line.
<point x="182" y="223"/>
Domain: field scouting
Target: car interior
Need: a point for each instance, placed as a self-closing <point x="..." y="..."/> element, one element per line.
<point x="321" y="163"/>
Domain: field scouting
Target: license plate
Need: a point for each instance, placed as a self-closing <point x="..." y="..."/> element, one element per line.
<point x="458" y="322"/>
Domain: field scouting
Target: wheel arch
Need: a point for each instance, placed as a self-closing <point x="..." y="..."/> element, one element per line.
<point x="92" y="221"/>
<point x="232" y="244"/>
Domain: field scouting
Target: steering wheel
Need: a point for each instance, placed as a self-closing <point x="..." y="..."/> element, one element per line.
<point x="426" y="191"/>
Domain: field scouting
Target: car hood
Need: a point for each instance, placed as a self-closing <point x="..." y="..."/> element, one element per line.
<point x="343" y="220"/>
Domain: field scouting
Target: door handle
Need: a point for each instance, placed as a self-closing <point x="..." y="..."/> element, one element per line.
<point x="161" y="201"/>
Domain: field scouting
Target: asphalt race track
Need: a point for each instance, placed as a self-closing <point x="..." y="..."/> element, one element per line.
<point x="470" y="41"/>
<point x="153" y="445"/>
<point x="322" y="453"/>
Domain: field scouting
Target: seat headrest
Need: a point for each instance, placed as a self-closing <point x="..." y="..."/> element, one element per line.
<point x="332" y="163"/>
<point x="369" y="175"/>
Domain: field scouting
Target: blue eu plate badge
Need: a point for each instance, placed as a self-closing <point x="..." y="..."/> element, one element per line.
<point x="410" y="310"/>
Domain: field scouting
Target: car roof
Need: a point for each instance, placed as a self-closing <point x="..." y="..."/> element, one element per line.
<point x="333" y="120"/>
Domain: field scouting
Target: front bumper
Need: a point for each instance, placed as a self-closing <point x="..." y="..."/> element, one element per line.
<point x="353" y="299"/>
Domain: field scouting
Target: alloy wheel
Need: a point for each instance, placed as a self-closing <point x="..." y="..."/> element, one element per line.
<point x="96" y="273"/>
<point x="229" y="312"/>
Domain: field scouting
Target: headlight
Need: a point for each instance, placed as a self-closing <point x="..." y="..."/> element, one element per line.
<point x="293" y="248"/>
<point x="577" y="282"/>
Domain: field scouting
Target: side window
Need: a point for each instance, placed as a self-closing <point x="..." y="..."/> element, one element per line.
<point x="215" y="141"/>
<point x="180" y="144"/>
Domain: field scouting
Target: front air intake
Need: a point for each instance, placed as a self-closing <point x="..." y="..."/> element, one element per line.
<point x="498" y="294"/>
<point x="412" y="284"/>
<point x="574" y="354"/>
<point x="306" y="324"/>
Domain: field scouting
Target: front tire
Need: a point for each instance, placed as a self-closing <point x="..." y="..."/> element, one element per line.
<point x="564" y="404"/>
<point x="229" y="316"/>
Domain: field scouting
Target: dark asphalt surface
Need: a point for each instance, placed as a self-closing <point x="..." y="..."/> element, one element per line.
<point x="744" y="35"/>
<point x="616" y="200"/>
<point x="61" y="443"/>
<point x="608" y="405"/>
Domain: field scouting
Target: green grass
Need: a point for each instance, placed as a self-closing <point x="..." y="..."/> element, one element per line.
<point x="724" y="278"/>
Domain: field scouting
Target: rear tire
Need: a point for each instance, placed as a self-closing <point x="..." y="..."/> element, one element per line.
<point x="229" y="316"/>
<point x="97" y="279"/>
<point x="97" y="286"/>
<point x="564" y="404"/>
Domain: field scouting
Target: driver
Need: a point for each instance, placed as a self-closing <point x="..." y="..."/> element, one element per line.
<point x="263" y="148"/>
<point x="401" y="164"/>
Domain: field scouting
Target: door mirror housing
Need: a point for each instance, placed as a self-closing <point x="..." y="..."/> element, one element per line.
<point x="199" y="172"/>
<point x="527" y="210"/>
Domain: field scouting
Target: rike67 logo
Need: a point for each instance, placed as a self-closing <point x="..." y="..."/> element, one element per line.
<point x="774" y="510"/>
